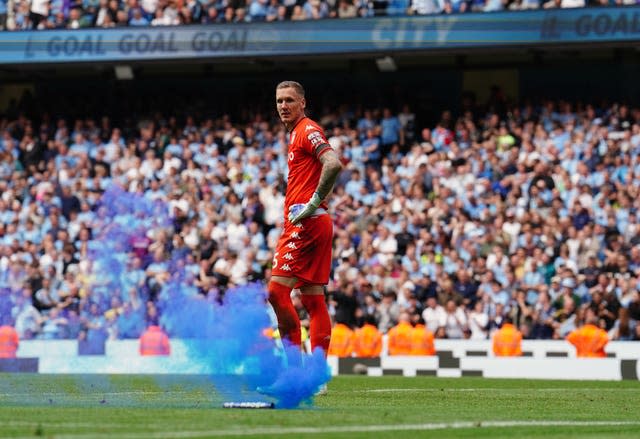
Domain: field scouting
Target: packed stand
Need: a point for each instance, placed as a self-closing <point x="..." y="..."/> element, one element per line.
<point x="76" y="14"/>
<point x="528" y="212"/>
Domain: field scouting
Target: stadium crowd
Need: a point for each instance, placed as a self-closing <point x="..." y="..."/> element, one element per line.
<point x="76" y="14"/>
<point x="527" y="212"/>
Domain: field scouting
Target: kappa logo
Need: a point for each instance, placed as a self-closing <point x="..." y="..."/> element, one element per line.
<point x="286" y="267"/>
<point x="292" y="246"/>
<point x="295" y="235"/>
<point x="309" y="127"/>
<point x="288" y="256"/>
<point x="293" y="136"/>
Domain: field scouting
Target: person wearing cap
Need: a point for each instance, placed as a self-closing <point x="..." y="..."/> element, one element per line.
<point x="589" y="340"/>
<point x="555" y="288"/>
<point x="507" y="341"/>
<point x="567" y="289"/>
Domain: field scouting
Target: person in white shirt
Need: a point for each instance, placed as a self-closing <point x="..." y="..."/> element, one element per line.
<point x="455" y="320"/>
<point x="478" y="321"/>
<point x="434" y="315"/>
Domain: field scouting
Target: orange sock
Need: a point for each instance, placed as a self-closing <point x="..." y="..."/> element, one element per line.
<point x="288" y="321"/>
<point x="320" y="325"/>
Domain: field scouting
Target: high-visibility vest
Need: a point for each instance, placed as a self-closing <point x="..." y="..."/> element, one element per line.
<point x="341" y="344"/>
<point x="399" y="339"/>
<point x="8" y="342"/>
<point x="507" y="341"/>
<point x="154" y="342"/>
<point x="589" y="341"/>
<point x="422" y="341"/>
<point x="367" y="341"/>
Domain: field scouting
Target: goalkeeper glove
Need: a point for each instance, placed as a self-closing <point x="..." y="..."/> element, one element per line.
<point x="298" y="212"/>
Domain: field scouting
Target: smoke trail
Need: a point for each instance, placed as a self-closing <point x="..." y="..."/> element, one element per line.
<point x="225" y="335"/>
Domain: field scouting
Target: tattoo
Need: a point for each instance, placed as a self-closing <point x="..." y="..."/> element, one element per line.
<point x="331" y="168"/>
<point x="321" y="148"/>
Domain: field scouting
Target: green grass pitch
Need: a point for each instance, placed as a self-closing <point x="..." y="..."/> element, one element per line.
<point x="140" y="407"/>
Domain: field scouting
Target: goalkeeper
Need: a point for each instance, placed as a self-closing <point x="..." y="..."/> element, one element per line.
<point x="302" y="258"/>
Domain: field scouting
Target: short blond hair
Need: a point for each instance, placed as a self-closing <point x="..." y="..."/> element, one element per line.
<point x="292" y="84"/>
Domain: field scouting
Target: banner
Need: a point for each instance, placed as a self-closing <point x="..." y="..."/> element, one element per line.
<point x="361" y="35"/>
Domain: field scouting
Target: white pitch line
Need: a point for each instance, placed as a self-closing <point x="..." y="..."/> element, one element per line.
<point x="344" y="429"/>
<point x="99" y="393"/>
<point x="491" y="389"/>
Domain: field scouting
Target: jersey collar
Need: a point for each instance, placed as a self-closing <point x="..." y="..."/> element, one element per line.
<point x="297" y="123"/>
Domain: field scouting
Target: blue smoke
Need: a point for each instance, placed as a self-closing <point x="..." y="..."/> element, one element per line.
<point x="223" y="333"/>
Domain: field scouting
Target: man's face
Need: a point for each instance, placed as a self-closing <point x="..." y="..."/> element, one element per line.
<point x="290" y="105"/>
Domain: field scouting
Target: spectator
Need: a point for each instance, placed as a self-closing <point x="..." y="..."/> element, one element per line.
<point x="38" y="13"/>
<point x="455" y="320"/>
<point x="3" y="14"/>
<point x="54" y="325"/>
<point x="346" y="9"/>
<point x="315" y="9"/>
<point x="478" y="321"/>
<point x="388" y="311"/>
<point x="624" y="327"/>
<point x="258" y="10"/>
<point x="434" y="315"/>
<point x="566" y="238"/>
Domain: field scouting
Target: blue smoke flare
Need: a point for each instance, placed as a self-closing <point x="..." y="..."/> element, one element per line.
<point x="225" y="334"/>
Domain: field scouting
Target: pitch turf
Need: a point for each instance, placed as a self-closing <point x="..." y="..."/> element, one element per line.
<point x="139" y="407"/>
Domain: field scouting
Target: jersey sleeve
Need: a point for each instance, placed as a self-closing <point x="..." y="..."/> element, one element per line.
<point x="312" y="137"/>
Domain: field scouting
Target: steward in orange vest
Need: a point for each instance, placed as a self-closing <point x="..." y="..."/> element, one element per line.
<point x="589" y="340"/>
<point x="154" y="342"/>
<point x="422" y="341"/>
<point x="8" y="342"/>
<point x="341" y="341"/>
<point x="368" y="340"/>
<point x="399" y="337"/>
<point x="507" y="341"/>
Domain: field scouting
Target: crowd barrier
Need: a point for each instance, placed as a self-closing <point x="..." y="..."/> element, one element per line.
<point x="542" y="359"/>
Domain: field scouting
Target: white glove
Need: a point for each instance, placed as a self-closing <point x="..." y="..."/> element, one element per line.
<point x="298" y="212"/>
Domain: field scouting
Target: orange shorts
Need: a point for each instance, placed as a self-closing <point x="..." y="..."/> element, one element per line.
<point x="304" y="251"/>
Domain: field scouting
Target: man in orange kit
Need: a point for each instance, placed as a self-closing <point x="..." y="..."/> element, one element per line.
<point x="507" y="341"/>
<point x="368" y="340"/>
<point x="589" y="340"/>
<point x="302" y="258"/>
